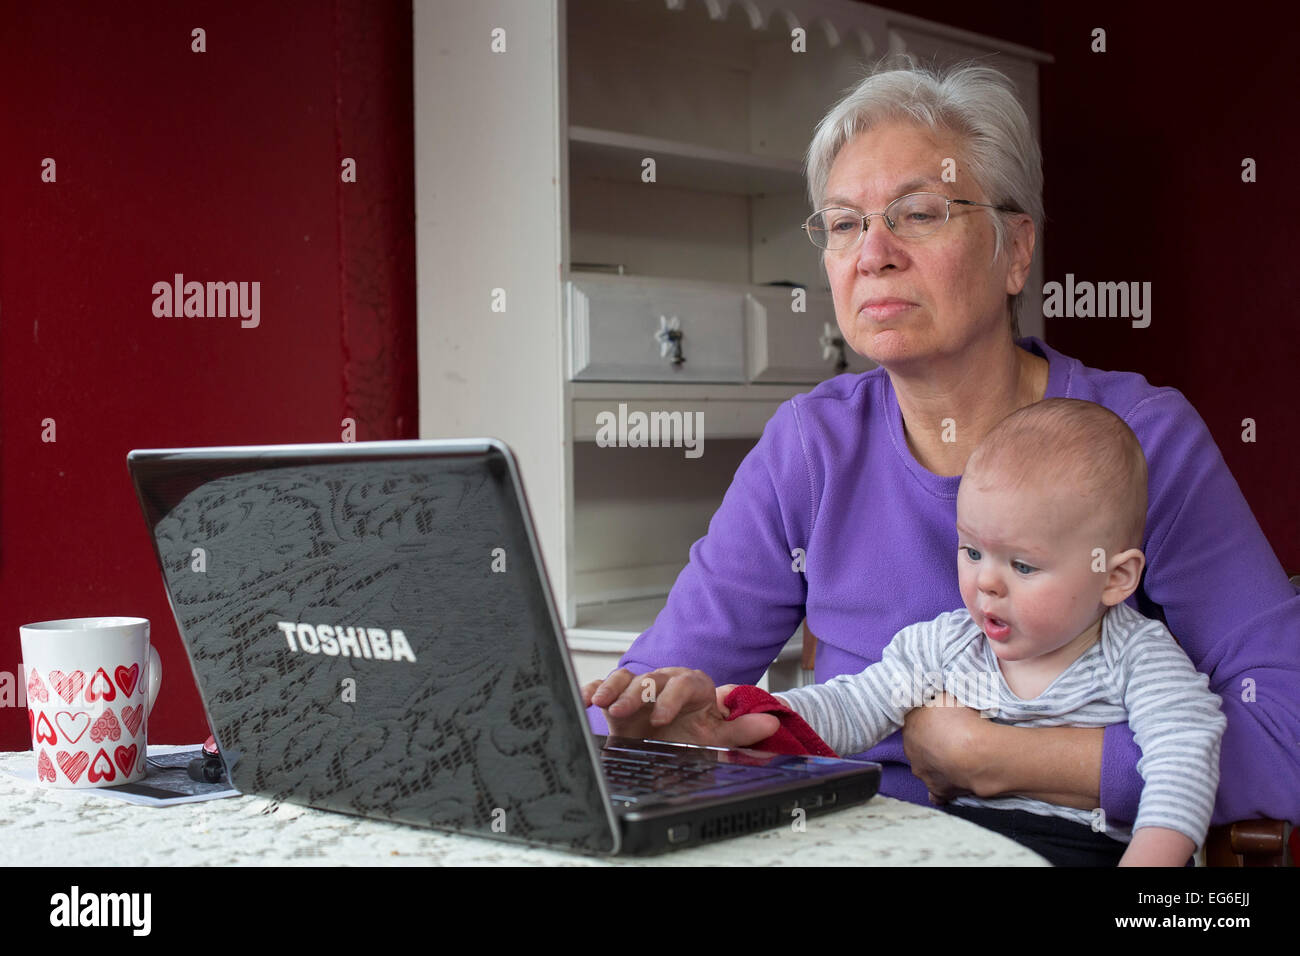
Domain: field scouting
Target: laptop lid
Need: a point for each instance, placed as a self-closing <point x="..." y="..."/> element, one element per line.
<point x="371" y="632"/>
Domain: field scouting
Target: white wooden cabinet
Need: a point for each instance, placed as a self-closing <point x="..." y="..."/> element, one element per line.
<point x="561" y="143"/>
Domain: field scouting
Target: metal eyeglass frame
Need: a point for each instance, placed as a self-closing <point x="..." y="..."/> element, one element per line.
<point x="889" y="222"/>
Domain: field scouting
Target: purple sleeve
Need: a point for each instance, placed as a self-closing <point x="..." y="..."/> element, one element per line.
<point x="1229" y="604"/>
<point x="740" y="598"/>
<point x="1121" y="784"/>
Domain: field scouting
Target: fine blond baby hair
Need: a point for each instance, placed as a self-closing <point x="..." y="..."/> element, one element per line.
<point x="1071" y="447"/>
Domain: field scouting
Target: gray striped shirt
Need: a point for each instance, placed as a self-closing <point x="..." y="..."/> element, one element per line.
<point x="1135" y="672"/>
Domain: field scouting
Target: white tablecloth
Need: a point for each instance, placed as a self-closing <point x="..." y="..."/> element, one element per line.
<point x="42" y="826"/>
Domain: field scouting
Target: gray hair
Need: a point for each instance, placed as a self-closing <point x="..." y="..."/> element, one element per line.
<point x="976" y="103"/>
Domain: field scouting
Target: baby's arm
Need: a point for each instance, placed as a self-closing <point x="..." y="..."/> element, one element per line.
<point x="1158" y="846"/>
<point x="854" y="712"/>
<point x="1178" y="722"/>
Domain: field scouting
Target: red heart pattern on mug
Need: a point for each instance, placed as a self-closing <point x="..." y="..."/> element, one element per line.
<point x="45" y="769"/>
<point x="67" y="686"/>
<point x="44" y="733"/>
<point x="106" y="727"/>
<point x="31" y="719"/>
<point x="100" y="687"/>
<point x="73" y="764"/>
<point x="132" y="717"/>
<point x="36" y="688"/>
<point x="71" y="725"/>
<point x="101" y="768"/>
<point x="127" y="678"/>
<point x="126" y="758"/>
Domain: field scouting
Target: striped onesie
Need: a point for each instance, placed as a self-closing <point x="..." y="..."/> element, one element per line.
<point x="1135" y="671"/>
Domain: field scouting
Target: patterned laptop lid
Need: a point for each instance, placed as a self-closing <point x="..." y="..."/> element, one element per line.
<point x="371" y="632"/>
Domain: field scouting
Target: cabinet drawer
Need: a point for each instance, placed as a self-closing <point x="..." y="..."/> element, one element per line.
<point x="789" y="346"/>
<point x="615" y="332"/>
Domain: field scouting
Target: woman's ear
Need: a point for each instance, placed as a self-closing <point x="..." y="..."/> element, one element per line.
<point x="1021" y="252"/>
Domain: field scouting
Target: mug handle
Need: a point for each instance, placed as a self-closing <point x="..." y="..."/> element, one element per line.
<point x="155" y="678"/>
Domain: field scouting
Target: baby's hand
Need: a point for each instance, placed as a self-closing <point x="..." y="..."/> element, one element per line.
<point x="676" y="704"/>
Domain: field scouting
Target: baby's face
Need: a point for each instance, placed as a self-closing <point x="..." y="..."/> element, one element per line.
<point x="1024" y="564"/>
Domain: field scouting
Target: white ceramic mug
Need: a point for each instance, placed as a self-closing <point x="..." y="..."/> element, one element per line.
<point x="91" y="682"/>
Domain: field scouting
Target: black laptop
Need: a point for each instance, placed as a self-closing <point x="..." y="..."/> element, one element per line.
<point x="372" y="632"/>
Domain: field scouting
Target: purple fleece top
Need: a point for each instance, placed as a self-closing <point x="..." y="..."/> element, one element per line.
<point x="832" y="474"/>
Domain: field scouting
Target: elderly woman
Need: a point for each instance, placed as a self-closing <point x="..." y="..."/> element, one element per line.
<point x="861" y="474"/>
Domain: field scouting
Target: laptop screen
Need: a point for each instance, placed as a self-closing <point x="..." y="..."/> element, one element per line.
<point x="371" y="633"/>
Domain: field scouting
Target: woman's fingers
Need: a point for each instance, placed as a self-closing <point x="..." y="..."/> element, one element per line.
<point x="685" y="691"/>
<point x="602" y="693"/>
<point x="640" y="691"/>
<point x="589" y="691"/>
<point x="675" y="702"/>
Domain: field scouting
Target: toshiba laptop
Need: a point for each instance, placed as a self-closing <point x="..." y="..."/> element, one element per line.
<point x="372" y="632"/>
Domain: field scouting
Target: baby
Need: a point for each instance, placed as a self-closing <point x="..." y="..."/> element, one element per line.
<point x="1050" y="515"/>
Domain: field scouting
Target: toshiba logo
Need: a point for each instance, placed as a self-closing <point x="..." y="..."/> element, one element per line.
<point x="373" y="643"/>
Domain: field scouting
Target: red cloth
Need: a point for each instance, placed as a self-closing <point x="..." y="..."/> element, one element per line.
<point x="794" y="737"/>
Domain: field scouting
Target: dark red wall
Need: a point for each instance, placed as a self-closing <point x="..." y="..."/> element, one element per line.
<point x="1142" y="152"/>
<point x="223" y="166"/>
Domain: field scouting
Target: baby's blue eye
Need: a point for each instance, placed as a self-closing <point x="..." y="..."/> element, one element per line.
<point x="972" y="554"/>
<point x="1022" y="567"/>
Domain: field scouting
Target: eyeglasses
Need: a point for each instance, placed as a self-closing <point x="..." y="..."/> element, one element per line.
<point x="908" y="217"/>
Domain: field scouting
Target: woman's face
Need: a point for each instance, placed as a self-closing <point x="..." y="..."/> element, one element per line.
<point x="952" y="294"/>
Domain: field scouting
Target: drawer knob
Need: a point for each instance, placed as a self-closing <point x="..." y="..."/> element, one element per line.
<point x="832" y="344"/>
<point x="669" y="337"/>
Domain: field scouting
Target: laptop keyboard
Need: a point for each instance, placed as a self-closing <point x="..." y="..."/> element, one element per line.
<point x="637" y="776"/>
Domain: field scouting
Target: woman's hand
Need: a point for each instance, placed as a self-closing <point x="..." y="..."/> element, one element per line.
<point x="675" y="703"/>
<point x="956" y="752"/>
<point x="942" y="742"/>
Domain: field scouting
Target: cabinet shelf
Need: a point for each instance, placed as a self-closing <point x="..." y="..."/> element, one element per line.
<point x="611" y="627"/>
<point x="686" y="392"/>
<point x="617" y="157"/>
